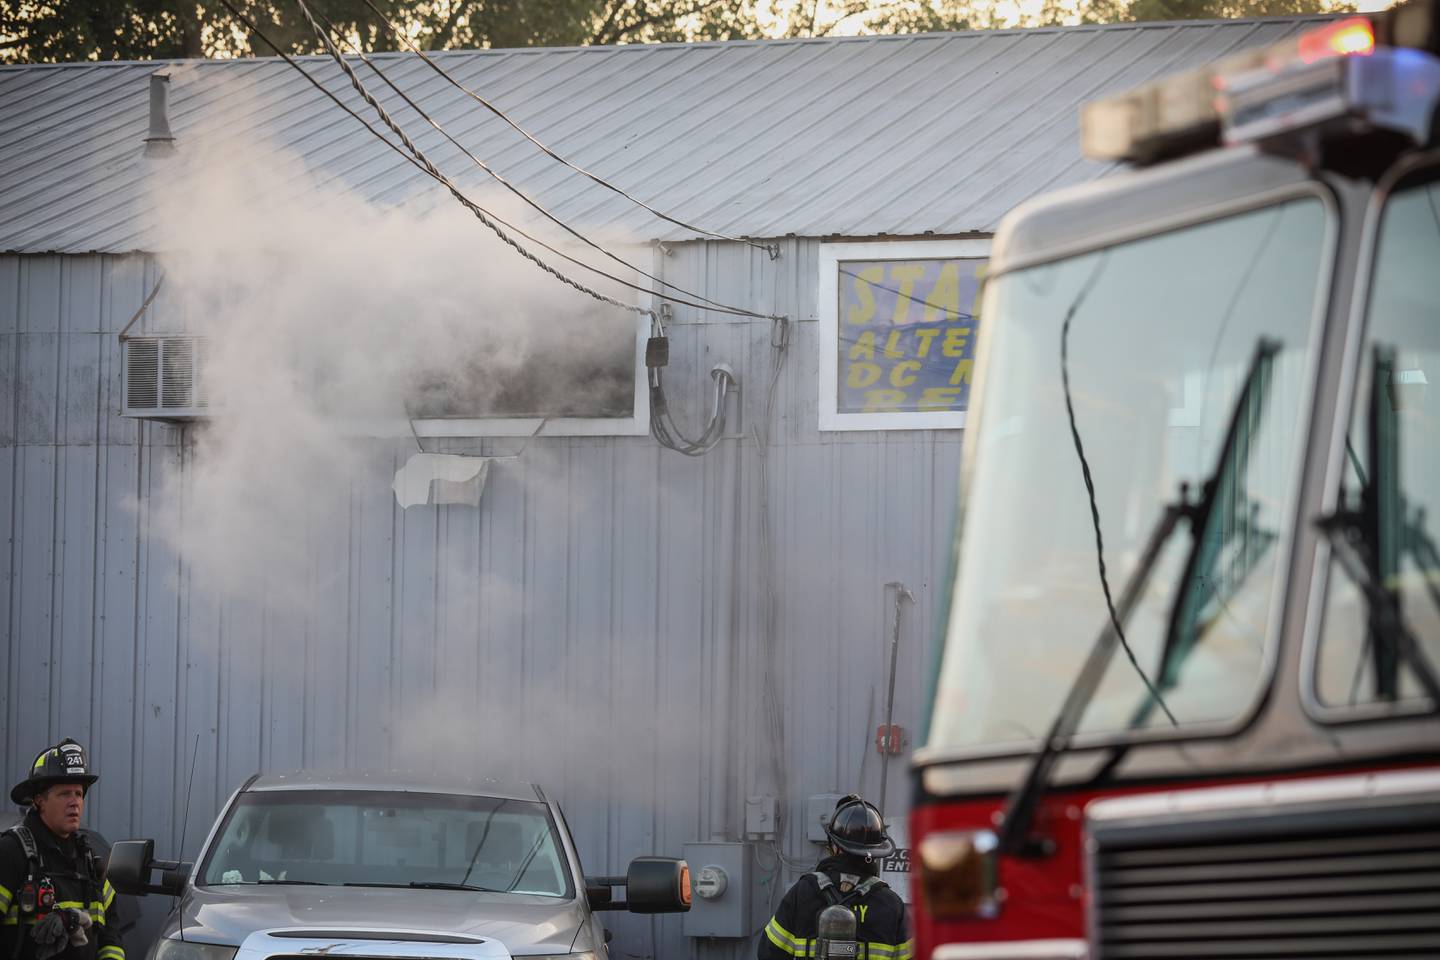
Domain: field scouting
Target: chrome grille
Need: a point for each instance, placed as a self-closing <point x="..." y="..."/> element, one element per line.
<point x="1314" y="881"/>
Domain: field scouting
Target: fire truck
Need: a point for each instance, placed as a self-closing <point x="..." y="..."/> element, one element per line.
<point x="1186" y="703"/>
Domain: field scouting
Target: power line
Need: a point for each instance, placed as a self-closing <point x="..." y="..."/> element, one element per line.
<point x="506" y="183"/>
<point x="490" y="220"/>
<point x="430" y="170"/>
<point x="661" y="425"/>
<point x="772" y="249"/>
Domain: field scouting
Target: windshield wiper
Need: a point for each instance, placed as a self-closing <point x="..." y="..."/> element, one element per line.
<point x="1015" y="839"/>
<point x="1359" y="542"/>
<point x="1225" y="486"/>
<point x="423" y="885"/>
<point x="299" y="883"/>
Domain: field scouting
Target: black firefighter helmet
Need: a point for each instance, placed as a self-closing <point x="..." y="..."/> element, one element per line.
<point x="63" y="763"/>
<point x="857" y="828"/>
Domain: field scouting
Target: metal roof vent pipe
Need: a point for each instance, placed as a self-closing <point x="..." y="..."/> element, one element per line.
<point x="159" y="142"/>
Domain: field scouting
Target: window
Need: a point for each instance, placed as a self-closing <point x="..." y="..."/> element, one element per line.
<point x="897" y="333"/>
<point x="580" y="376"/>
<point x="389" y="838"/>
<point x="1391" y="460"/>
<point x="1145" y="319"/>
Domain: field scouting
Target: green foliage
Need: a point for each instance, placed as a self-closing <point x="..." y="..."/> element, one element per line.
<point x="1222" y="9"/>
<point x="59" y="30"/>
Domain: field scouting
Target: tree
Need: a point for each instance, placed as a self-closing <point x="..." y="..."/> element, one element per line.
<point x="1218" y="9"/>
<point x="57" y="30"/>
<point x="45" y="31"/>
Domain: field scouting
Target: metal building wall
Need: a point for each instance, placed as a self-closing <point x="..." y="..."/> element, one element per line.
<point x="597" y="624"/>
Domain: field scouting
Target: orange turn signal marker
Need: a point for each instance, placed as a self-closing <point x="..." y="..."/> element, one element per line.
<point x="959" y="875"/>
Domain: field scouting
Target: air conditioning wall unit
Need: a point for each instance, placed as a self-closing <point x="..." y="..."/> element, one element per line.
<point x="162" y="377"/>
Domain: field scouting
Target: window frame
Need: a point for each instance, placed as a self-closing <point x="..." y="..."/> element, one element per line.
<point x="1357" y="336"/>
<point x="831" y="255"/>
<point x="930" y="756"/>
<point x="319" y="794"/>
<point x="635" y="425"/>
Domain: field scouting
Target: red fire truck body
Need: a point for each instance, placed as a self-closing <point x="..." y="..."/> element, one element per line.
<point x="1186" y="701"/>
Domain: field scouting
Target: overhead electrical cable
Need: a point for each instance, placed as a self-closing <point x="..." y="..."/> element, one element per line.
<point x="506" y="183"/>
<point x="429" y="169"/>
<point x="486" y="216"/>
<point x="772" y="249"/>
<point x="661" y="424"/>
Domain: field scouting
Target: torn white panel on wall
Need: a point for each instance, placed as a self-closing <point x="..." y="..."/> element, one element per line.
<point x="436" y="478"/>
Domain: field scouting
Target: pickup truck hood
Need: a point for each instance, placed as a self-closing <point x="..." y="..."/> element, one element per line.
<point x="524" y="924"/>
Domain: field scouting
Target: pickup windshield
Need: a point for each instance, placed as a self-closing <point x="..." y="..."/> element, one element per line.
<point x="1162" y="335"/>
<point x="1390" y="481"/>
<point x="383" y="838"/>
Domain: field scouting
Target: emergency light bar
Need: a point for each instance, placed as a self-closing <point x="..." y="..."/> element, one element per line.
<point x="1353" y="75"/>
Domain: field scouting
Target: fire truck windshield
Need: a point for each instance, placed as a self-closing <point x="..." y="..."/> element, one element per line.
<point x="1162" y="334"/>
<point x="1389" y="490"/>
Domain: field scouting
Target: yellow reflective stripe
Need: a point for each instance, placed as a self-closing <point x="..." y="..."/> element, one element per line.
<point x="70" y="905"/>
<point x="108" y="892"/>
<point x="784" y="939"/>
<point x="905" y="951"/>
<point x="880" y="951"/>
<point x="111" y="953"/>
<point x="5" y="896"/>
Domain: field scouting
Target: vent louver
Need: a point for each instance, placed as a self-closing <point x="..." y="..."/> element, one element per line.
<point x="163" y="378"/>
<point x="1354" y="880"/>
<point x="142" y="374"/>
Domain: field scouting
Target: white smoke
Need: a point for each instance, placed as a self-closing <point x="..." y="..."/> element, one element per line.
<point x="329" y="319"/>
<point x="326" y="315"/>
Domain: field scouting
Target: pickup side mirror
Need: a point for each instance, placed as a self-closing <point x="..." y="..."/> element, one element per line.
<point x="132" y="862"/>
<point x="652" y="885"/>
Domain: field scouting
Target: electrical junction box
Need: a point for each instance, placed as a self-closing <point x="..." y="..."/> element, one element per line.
<point x="819" y="808"/>
<point x="760" y="817"/>
<point x="724" y="902"/>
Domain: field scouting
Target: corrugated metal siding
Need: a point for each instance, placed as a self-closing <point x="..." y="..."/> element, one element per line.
<point x="938" y="133"/>
<point x="597" y="624"/>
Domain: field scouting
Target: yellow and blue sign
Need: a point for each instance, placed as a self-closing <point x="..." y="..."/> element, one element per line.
<point x="907" y="334"/>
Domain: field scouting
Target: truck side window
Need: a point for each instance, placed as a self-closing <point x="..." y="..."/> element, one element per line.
<point x="1391" y="482"/>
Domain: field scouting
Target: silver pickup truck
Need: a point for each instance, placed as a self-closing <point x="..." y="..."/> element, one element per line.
<point x="360" y="865"/>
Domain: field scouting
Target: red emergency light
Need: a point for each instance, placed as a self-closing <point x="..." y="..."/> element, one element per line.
<point x="1334" y="74"/>
<point x="1348" y="38"/>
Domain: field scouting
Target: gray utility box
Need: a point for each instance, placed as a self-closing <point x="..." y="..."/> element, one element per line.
<point x="723" y="901"/>
<point x="819" y="808"/>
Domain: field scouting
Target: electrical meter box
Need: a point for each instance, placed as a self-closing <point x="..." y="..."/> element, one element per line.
<point x="724" y="901"/>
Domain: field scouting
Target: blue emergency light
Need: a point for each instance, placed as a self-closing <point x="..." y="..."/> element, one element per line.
<point x="1353" y="76"/>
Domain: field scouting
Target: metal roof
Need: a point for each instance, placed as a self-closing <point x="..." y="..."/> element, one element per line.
<point x="399" y="781"/>
<point x="865" y="136"/>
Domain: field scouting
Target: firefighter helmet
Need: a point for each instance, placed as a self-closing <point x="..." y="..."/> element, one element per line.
<point x="63" y="763"/>
<point x="857" y="828"/>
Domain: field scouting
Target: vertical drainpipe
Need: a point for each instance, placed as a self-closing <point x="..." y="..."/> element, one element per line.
<point x="159" y="142"/>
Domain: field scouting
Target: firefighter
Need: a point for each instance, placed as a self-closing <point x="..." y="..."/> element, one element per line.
<point x="849" y="876"/>
<point x="54" y="899"/>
